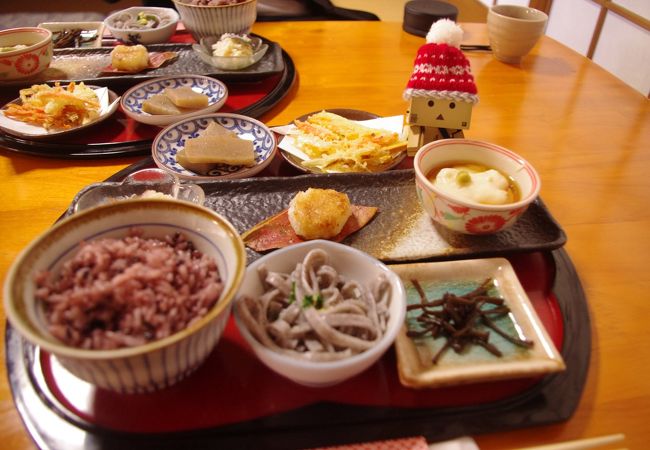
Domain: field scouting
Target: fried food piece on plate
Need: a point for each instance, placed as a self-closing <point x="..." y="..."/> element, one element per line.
<point x="130" y="58"/>
<point x="310" y="214"/>
<point x="319" y="213"/>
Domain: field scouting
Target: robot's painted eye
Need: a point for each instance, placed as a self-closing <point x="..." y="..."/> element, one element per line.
<point x="452" y="105"/>
<point x="430" y="103"/>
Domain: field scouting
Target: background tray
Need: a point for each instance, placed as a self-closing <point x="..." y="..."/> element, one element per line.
<point x="400" y="218"/>
<point x="87" y="65"/>
<point x="122" y="136"/>
<point x="235" y="402"/>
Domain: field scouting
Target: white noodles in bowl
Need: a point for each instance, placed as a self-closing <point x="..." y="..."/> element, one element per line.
<point x="319" y="312"/>
<point x="316" y="313"/>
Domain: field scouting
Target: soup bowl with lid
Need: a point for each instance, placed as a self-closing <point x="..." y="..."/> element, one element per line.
<point x="461" y="213"/>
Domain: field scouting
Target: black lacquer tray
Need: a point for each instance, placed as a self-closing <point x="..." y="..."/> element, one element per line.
<point x="247" y="202"/>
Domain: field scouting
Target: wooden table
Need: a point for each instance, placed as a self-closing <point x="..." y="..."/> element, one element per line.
<point x="586" y="132"/>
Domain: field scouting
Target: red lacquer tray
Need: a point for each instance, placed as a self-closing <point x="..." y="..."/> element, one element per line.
<point x="233" y="401"/>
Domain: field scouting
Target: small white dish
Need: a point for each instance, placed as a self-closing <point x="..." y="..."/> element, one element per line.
<point x="473" y="364"/>
<point x="90" y="37"/>
<point x="125" y="26"/>
<point x="354" y="265"/>
<point x="134" y="98"/>
<point x="204" y="50"/>
<point x="172" y="139"/>
<point x="109" y="102"/>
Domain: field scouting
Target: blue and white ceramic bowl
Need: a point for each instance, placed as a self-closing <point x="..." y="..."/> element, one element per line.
<point x="172" y="139"/>
<point x="133" y="99"/>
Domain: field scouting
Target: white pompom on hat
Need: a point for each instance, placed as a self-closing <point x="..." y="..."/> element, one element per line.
<point x="440" y="69"/>
<point x="445" y="31"/>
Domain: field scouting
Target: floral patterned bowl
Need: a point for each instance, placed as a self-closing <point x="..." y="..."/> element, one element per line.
<point x="462" y="215"/>
<point x="172" y="139"/>
<point x="24" y="52"/>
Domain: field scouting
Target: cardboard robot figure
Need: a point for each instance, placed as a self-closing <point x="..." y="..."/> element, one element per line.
<point x="441" y="91"/>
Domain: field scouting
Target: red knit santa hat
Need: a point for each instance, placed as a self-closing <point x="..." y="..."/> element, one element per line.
<point x="440" y="69"/>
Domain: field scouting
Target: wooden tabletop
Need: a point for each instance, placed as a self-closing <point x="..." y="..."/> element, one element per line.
<point x="585" y="131"/>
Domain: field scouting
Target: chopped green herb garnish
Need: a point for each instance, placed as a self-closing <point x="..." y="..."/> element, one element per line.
<point x="315" y="301"/>
<point x="292" y="294"/>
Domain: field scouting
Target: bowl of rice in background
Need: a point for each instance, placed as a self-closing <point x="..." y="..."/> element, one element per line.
<point x="204" y="18"/>
<point x="335" y="363"/>
<point x="130" y="296"/>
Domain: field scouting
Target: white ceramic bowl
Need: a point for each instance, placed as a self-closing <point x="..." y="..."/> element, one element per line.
<point x="27" y="61"/>
<point x="133" y="99"/>
<point x="171" y="139"/>
<point x="352" y="263"/>
<point x="462" y="215"/>
<point x="215" y="20"/>
<point x="135" y="35"/>
<point x="147" y="367"/>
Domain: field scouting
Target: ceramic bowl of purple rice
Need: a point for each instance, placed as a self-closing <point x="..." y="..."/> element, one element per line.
<point x="130" y="296"/>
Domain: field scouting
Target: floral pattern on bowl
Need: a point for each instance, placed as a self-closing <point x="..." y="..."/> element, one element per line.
<point x="464" y="219"/>
<point x="30" y="60"/>
<point x="135" y="97"/>
<point x="172" y="139"/>
<point x="461" y="214"/>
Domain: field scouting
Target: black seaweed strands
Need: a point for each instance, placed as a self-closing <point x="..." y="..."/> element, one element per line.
<point x="457" y="318"/>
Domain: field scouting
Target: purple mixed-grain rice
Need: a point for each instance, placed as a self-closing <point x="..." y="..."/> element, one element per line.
<point x="129" y="291"/>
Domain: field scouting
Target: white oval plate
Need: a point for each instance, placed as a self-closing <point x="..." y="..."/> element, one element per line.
<point x="172" y="139"/>
<point x="133" y="99"/>
<point x="109" y="101"/>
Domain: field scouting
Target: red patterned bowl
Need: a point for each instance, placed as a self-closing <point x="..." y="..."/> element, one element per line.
<point x="458" y="213"/>
<point x="24" y="52"/>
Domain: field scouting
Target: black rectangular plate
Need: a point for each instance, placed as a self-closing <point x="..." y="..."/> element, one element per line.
<point x="249" y="201"/>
